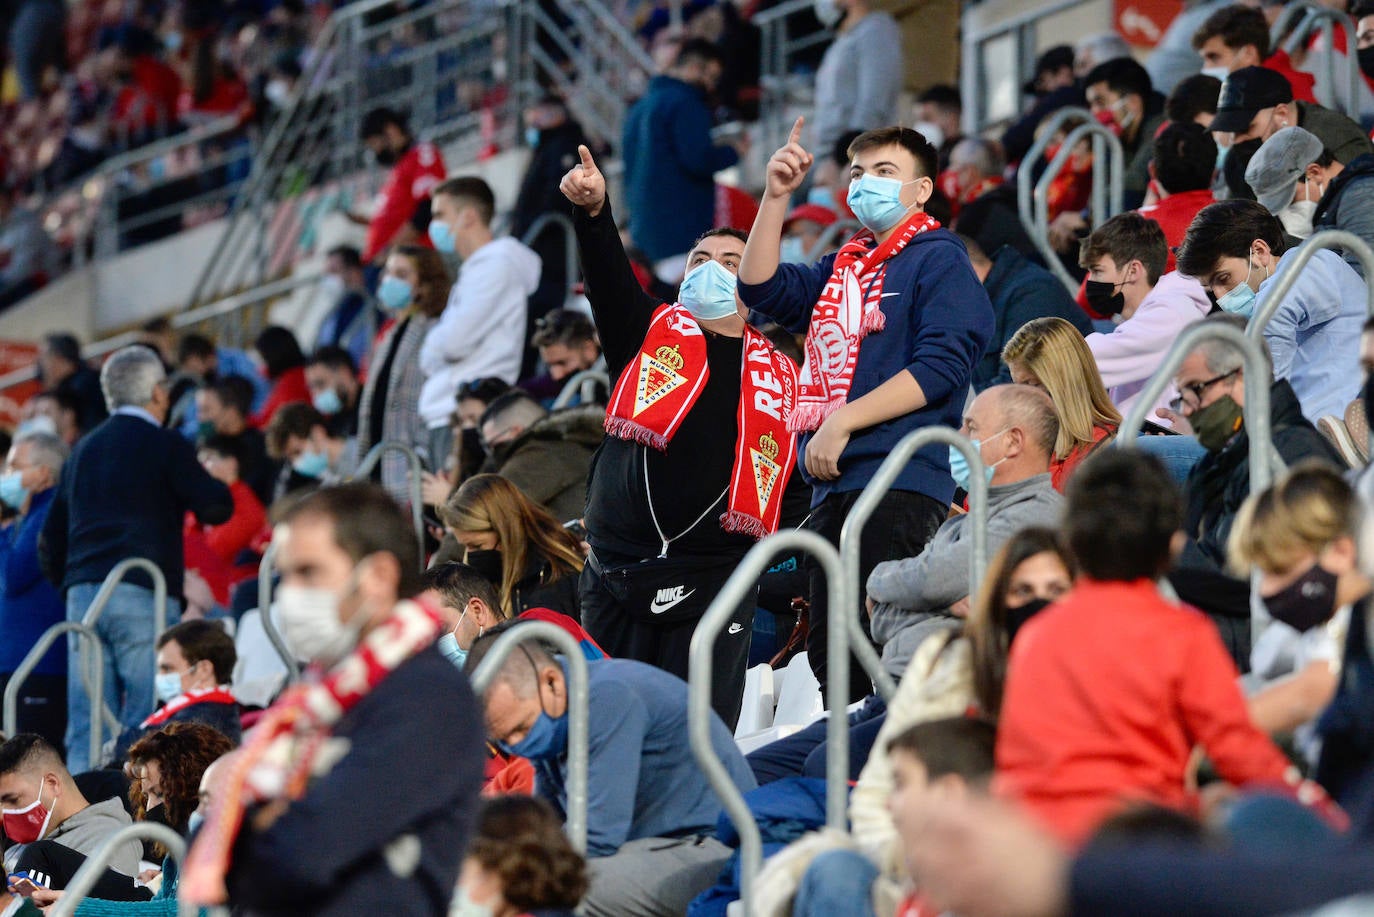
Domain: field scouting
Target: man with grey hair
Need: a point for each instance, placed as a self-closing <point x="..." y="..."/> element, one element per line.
<point x="29" y="604"/>
<point x="124" y="493"/>
<point x="985" y="207"/>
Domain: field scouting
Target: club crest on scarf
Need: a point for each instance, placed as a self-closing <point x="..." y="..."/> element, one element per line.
<point x="766" y="467"/>
<point x="659" y="376"/>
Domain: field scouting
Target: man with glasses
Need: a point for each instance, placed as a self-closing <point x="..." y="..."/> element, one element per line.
<point x="1211" y="385"/>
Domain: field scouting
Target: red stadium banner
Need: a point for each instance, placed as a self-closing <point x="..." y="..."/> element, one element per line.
<point x="16" y="355"/>
<point x="1142" y="22"/>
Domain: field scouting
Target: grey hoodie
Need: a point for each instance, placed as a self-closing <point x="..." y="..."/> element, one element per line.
<point x="89" y="828"/>
<point x="912" y="596"/>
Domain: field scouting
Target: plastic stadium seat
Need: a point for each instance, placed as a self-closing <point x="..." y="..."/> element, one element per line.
<point x="757" y="711"/>
<point x="259" y="673"/>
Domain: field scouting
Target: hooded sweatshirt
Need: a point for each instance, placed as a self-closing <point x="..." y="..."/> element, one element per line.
<point x="481" y="332"/>
<point x="89" y="828"/>
<point x="1131" y="354"/>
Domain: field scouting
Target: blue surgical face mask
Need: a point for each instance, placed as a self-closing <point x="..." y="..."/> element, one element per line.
<point x="821" y="197"/>
<point x="792" y="251"/>
<point x="327" y="401"/>
<point x="394" y="293"/>
<point x="958" y="465"/>
<point x="1240" y="299"/>
<point x="167" y="685"/>
<point x="531" y="137"/>
<point x="547" y="739"/>
<point x="442" y="236"/>
<point x="311" y="464"/>
<point x="448" y="645"/>
<point x="12" y="489"/>
<point x="193" y="822"/>
<point x="708" y="291"/>
<point x="877" y="201"/>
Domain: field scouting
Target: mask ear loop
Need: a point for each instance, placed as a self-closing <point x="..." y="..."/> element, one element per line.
<point x="537" y="689"/>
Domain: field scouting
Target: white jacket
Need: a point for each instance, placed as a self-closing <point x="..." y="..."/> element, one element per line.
<point x="481" y="332"/>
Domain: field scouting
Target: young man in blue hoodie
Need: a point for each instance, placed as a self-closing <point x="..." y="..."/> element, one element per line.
<point x="895" y="322"/>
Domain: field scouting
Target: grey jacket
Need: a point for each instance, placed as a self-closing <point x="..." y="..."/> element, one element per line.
<point x="89" y="828"/>
<point x="859" y="80"/>
<point x="912" y="596"/>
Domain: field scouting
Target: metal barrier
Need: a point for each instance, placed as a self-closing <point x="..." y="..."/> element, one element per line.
<point x="81" y="884"/>
<point x="852" y="531"/>
<point x="417" y="500"/>
<point x="116" y="576"/>
<point x="826" y="240"/>
<point x="93" y="669"/>
<point x="269" y="626"/>
<point x="700" y="669"/>
<point x="578" y="708"/>
<point x="1327" y="18"/>
<point x="582" y="383"/>
<point x="558" y="221"/>
<point x="778" y="47"/>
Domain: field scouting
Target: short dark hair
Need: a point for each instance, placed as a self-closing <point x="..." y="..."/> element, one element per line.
<point x="1226" y="229"/>
<point x="458" y="584"/>
<point x="195" y="346"/>
<point x="296" y="419"/>
<point x="730" y="231"/>
<point x="1185" y="157"/>
<point x="332" y="356"/>
<point x="927" y="157"/>
<point x="375" y="122"/>
<point x="486" y="390"/>
<point x="698" y="51"/>
<point x="25" y="750"/>
<point x="279" y="349"/>
<point x="66" y="346"/>
<point x="472" y="190"/>
<point x="944" y="97"/>
<point x="563" y="326"/>
<point x="1128" y="237"/>
<point x="958" y="745"/>
<point x="1121" y="512"/>
<point x="1236" y="26"/>
<point x="350" y="256"/>
<point x="234" y="392"/>
<point x="1123" y="76"/>
<point x="1196" y="95"/>
<point x="366" y="521"/>
<point x="227" y="446"/>
<point x="200" y="639"/>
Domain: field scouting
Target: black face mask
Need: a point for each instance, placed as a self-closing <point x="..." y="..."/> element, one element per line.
<point x="1367" y="395"/>
<point x="1018" y="616"/>
<point x="1308" y="602"/>
<point x="1104" y="297"/>
<point x="471" y="442"/>
<point x="487" y="564"/>
<point x="1366" y="56"/>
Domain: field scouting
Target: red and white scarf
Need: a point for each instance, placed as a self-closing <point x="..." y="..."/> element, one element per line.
<point x="658" y="388"/>
<point x="288" y="745"/>
<point x="847" y="311"/>
<point x="215" y="695"/>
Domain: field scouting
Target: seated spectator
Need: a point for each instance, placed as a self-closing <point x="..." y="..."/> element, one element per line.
<point x="1050" y="354"/>
<point x="1021" y="291"/>
<point x="195" y="665"/>
<point x="567" y="344"/>
<point x="284" y="366"/>
<point x="1238" y="36"/>
<point x="468" y="455"/>
<point x="299" y="437"/>
<point x="1073" y="757"/>
<point x="28" y="258"/>
<point x="939" y="114"/>
<point x="1125" y="258"/>
<point x="534" y="561"/>
<point x="201" y="363"/>
<point x="219" y="455"/>
<point x="547" y="455"/>
<point x="223" y="408"/>
<point x="352" y="320"/>
<point x="1194" y="100"/>
<point x="469" y="599"/>
<point x="1256" y="103"/>
<point x="1052" y="87"/>
<point x="651" y="813"/>
<point x="986" y="206"/>
<point x="1014" y="429"/>
<point x="1120" y="95"/>
<point x="29" y="604"/>
<point x="802" y="230"/>
<point x="520" y="861"/>
<point x="41" y="803"/>
<point x="1347" y="195"/>
<point x="1236" y="251"/>
<point x="61" y="369"/>
<point x="1282" y="174"/>
<point x="1182" y="169"/>
<point x="332" y="376"/>
<point x="1300" y="535"/>
<point x="53" y="412"/>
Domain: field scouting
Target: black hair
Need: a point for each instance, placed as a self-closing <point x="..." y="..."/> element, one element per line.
<point x="568" y="327"/>
<point x="195" y="345"/>
<point x="1226" y="229"/>
<point x="350" y="256"/>
<point x="22" y="749"/>
<point x="200" y="639"/>
<point x="227" y="446"/>
<point x="1122" y="510"/>
<point x="698" y="50"/>
<point x="1196" y="95"/>
<point x="64" y="345"/>
<point x="1123" y="76"/>
<point x="279" y="349"/>
<point x="332" y="356"/>
<point x="472" y="190"/>
<point x="376" y="121"/>
<point x="1185" y="157"/>
<point x="366" y="521"/>
<point x="943" y="96"/>
<point x="234" y="392"/>
<point x="1233" y="169"/>
<point x="291" y="420"/>
<point x="485" y="390"/>
<point x="458" y="584"/>
<point x="730" y="231"/>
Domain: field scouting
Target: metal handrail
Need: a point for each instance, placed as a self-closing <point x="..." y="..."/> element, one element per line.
<point x="700" y="667"/>
<point x="1107" y="191"/>
<point x="565" y="225"/>
<point x="581" y="382"/>
<point x="370" y="462"/>
<point x="92" y="665"/>
<point x="828" y="236"/>
<point x="117" y="575"/>
<point x="269" y="627"/>
<point x="1313" y="13"/>
<point x="863" y="509"/>
<point x="578" y="709"/>
<point x="1025" y="209"/>
<point x="81" y="884"/>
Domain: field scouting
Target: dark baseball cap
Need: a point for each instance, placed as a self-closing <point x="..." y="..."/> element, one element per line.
<point x="1246" y="92"/>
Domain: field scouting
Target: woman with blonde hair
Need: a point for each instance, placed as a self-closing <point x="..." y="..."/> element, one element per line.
<point x="1049" y="353"/>
<point x="531" y="558"/>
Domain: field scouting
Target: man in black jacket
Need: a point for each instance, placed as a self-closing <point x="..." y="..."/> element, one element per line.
<point x="61" y="369"/>
<point x="124" y="493"/>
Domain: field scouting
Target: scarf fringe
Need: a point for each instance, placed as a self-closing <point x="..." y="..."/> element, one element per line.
<point x="873" y="321"/>
<point x="624" y="428"/>
<point x="744" y="524"/>
<point x="808" y="417"/>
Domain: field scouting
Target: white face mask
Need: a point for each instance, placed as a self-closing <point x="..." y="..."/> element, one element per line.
<point x="463" y="906"/>
<point x="1297" y="218"/>
<point x="931" y="131"/>
<point x="1220" y="73"/>
<point x="311" y="625"/>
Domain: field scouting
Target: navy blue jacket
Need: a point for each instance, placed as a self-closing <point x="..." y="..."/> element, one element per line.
<point x="29" y="604"/>
<point x="124" y="493"/>
<point x="669" y="164"/>
<point x="384" y="831"/>
<point x="939" y="321"/>
<point x="1021" y="290"/>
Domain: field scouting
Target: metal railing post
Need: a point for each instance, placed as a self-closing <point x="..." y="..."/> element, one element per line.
<point x="570" y="261"/>
<point x="1327" y="18"/>
<point x="701" y="669"/>
<point x="269" y="627"/>
<point x="578" y="383"/>
<point x="1024" y="181"/>
<point x="81" y="884"/>
<point x="852" y="530"/>
<point x="1102" y="173"/>
<point x="93" y="664"/>
<point x="117" y="575"/>
<point x="578" y="708"/>
<point x="829" y="235"/>
<point x="369" y="463"/>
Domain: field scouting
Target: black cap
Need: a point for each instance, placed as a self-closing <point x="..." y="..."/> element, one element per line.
<point x="1247" y="91"/>
<point x="1056" y="58"/>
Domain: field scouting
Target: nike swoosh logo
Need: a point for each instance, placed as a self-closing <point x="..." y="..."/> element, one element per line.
<point x="735" y="628"/>
<point x="658" y="609"/>
<point x="886" y="295"/>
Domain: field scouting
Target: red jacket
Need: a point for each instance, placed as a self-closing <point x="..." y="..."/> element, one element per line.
<point x="1060" y="469"/>
<point x="289" y="388"/>
<point x="1174" y="214"/>
<point x="410" y="182"/>
<point x="1107" y="692"/>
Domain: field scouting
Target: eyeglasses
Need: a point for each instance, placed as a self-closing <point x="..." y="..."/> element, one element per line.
<point x="1196" y="389"/>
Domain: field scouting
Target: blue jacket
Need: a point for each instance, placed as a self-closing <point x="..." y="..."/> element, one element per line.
<point x="29" y="604"/>
<point x="939" y="321"/>
<point x="669" y="164"/>
<point x="1021" y="290"/>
